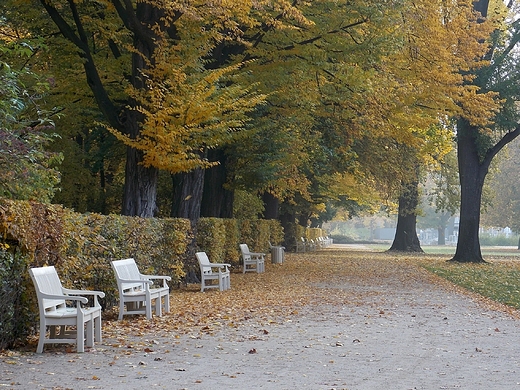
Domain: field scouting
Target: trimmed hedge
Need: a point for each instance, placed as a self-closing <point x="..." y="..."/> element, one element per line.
<point x="81" y="247"/>
<point x="220" y="238"/>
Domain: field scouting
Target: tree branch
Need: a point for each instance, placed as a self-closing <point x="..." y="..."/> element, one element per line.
<point x="131" y="21"/>
<point x="62" y="25"/>
<point x="103" y="101"/>
<point x="318" y="37"/>
<point x="507" y="138"/>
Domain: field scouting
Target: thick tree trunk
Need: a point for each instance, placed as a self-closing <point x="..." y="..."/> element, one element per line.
<point x="187" y="194"/>
<point x="303" y="219"/>
<point x="140" y="189"/>
<point x="217" y="201"/>
<point x="140" y="192"/>
<point x="271" y="206"/>
<point x="472" y="174"/>
<point x="288" y="222"/>
<point x="406" y="239"/>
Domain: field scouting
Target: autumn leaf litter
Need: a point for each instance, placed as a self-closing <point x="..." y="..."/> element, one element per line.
<point x="332" y="319"/>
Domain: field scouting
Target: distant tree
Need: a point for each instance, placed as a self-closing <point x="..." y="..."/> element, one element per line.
<point x="504" y="206"/>
<point x="444" y="193"/>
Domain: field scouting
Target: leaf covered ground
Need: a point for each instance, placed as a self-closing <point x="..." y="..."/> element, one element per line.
<point x="335" y="318"/>
<point x="302" y="281"/>
<point x="307" y="280"/>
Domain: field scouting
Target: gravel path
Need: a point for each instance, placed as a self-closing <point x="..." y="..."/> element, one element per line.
<point x="405" y="332"/>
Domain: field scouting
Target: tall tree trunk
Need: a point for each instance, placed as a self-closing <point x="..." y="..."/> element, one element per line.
<point x="187" y="194"/>
<point x="406" y="239"/>
<point x="441" y="234"/>
<point x="140" y="192"/>
<point x="271" y="205"/>
<point x="217" y="201"/>
<point x="288" y="222"/>
<point x="303" y="219"/>
<point x="473" y="168"/>
<point x="472" y="173"/>
<point x="441" y="229"/>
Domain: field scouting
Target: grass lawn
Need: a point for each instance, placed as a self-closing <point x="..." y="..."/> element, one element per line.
<point x="510" y="251"/>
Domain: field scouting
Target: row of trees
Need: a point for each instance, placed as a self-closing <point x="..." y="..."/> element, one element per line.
<point x="188" y="108"/>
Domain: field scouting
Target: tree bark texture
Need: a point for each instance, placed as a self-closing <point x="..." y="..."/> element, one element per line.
<point x="140" y="190"/>
<point x="271" y="206"/>
<point x="288" y="222"/>
<point x="472" y="173"/>
<point x="406" y="239"/>
<point x="187" y="194"/>
<point x="217" y="201"/>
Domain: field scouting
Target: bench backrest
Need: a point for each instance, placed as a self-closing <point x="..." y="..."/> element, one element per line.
<point x="126" y="270"/>
<point x="46" y="281"/>
<point x="204" y="262"/>
<point x="245" y="251"/>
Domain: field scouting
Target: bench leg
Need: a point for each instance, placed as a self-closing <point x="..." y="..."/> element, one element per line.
<point x="121" y="309"/>
<point x="41" y="341"/>
<point x="228" y="282"/>
<point x="158" y="306"/>
<point x="80" y="337"/>
<point x="167" y="302"/>
<point x="148" y="308"/>
<point x="90" y="333"/>
<point x="97" y="328"/>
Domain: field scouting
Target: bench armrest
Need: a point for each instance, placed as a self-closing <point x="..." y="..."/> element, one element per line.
<point x="64" y="297"/>
<point x="100" y="294"/>
<point x="256" y="254"/>
<point x="135" y="281"/>
<point x="156" y="277"/>
<point x="217" y="265"/>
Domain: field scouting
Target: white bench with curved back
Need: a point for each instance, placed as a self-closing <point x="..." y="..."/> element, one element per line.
<point x="252" y="261"/>
<point x="136" y="291"/>
<point x="62" y="319"/>
<point x="210" y="272"/>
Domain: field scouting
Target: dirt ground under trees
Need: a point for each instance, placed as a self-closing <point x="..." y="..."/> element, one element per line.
<point x="332" y="319"/>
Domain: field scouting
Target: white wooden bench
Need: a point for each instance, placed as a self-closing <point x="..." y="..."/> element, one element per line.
<point x="301" y="245"/>
<point x="136" y="291"/>
<point x="54" y="312"/>
<point x="210" y="272"/>
<point x="252" y="261"/>
<point x="328" y="241"/>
